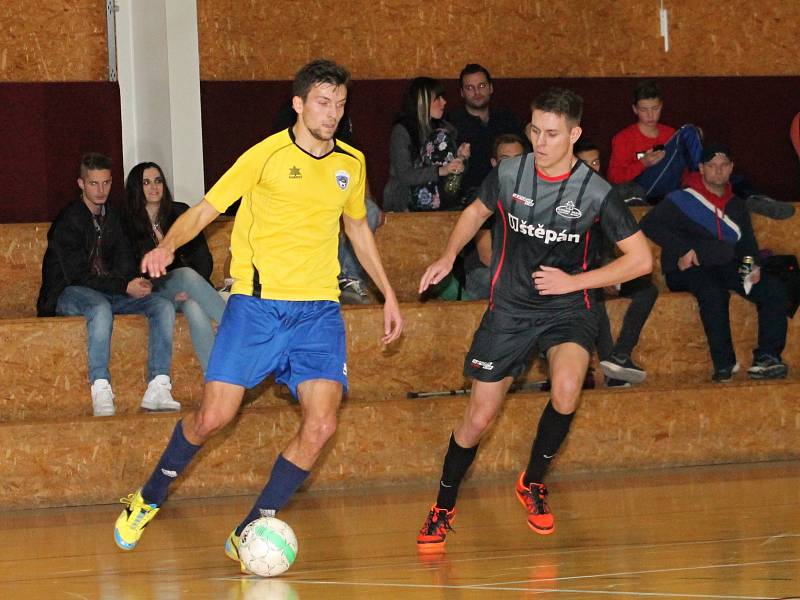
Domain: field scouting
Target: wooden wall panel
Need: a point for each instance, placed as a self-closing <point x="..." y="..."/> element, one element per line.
<point x="53" y="41"/>
<point x="403" y="38"/>
<point x="66" y="41"/>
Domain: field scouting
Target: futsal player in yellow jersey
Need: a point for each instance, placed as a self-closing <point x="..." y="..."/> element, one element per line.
<point x="283" y="314"/>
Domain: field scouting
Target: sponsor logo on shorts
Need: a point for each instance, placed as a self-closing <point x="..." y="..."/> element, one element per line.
<point x="488" y="366"/>
<point x="342" y="179"/>
<point x="344" y="369"/>
<point x="539" y="231"/>
<point x="169" y="473"/>
<point x="569" y="211"/>
<point x="522" y="199"/>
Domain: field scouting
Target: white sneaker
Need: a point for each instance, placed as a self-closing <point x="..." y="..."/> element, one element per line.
<point x="158" y="395"/>
<point x="102" y="398"/>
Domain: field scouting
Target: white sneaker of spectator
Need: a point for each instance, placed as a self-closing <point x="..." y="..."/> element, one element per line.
<point x="102" y="398"/>
<point x="158" y="395"/>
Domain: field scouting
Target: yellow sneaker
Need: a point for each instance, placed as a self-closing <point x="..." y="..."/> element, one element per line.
<point x="232" y="546"/>
<point x="232" y="551"/>
<point x="131" y="522"/>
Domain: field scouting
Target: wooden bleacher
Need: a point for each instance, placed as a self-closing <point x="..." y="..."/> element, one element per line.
<point x="22" y="247"/>
<point x="56" y="453"/>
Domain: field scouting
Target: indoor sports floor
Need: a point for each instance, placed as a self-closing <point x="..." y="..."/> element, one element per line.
<point x="725" y="532"/>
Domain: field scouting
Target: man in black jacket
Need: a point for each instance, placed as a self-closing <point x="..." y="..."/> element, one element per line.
<point x="478" y="124"/>
<point x="707" y="246"/>
<point x="89" y="269"/>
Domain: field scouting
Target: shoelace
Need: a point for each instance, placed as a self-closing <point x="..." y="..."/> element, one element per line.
<point x="145" y="508"/>
<point x="438" y="519"/>
<point x="536" y="499"/>
<point x="538" y="494"/>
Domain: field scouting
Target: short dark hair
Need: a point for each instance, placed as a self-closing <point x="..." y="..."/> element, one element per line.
<point x="645" y="90"/>
<point x="560" y="101"/>
<point x="317" y="72"/>
<point x="94" y="161"/>
<point x="471" y="69"/>
<point x="506" y="138"/>
<point x="584" y="144"/>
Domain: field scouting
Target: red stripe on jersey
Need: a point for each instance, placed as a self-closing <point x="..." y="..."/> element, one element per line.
<point x="556" y="178"/>
<point x="502" y="254"/>
<point x="585" y="265"/>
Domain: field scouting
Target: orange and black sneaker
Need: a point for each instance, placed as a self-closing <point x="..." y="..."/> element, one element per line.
<point x="534" y="499"/>
<point x="434" y="530"/>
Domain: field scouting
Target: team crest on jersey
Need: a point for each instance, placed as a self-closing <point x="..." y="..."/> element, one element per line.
<point x="569" y="211"/>
<point x="342" y="179"/>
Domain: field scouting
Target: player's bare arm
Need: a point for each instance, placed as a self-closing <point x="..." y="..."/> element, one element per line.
<point x="465" y="229"/>
<point x="185" y="228"/>
<point x="636" y="260"/>
<point x="360" y="235"/>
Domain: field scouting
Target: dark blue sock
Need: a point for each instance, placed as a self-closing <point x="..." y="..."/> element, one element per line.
<point x="284" y="480"/>
<point x="176" y="457"/>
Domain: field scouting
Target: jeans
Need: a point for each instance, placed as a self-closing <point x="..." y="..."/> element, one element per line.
<point x="683" y="151"/>
<point x="643" y="294"/>
<point x="711" y="285"/>
<point x="348" y="263"/>
<point x="478" y="284"/>
<point x="99" y="309"/>
<point x="203" y="306"/>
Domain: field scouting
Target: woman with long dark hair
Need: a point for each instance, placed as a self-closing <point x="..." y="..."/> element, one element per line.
<point x="150" y="213"/>
<point x="424" y="162"/>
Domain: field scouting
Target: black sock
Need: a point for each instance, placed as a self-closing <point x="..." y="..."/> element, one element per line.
<point x="456" y="463"/>
<point x="553" y="429"/>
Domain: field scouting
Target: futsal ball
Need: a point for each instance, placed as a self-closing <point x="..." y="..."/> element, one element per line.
<point x="267" y="547"/>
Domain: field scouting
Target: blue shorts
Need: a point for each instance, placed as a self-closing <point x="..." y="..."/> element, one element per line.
<point x="296" y="341"/>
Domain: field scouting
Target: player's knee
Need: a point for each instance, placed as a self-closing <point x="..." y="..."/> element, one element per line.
<point x="480" y="421"/>
<point x="209" y="422"/>
<point x="565" y="393"/>
<point x="318" y="429"/>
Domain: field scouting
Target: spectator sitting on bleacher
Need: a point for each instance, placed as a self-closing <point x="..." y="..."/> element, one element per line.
<point x="478" y="255"/>
<point x="615" y="358"/>
<point x="150" y="213"/>
<point x="89" y="269"/>
<point x="706" y="236"/>
<point x="423" y="158"/>
<point x="478" y="124"/>
<point x="650" y="154"/>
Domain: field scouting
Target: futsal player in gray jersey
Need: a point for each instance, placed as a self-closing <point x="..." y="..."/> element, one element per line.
<point x="546" y="203"/>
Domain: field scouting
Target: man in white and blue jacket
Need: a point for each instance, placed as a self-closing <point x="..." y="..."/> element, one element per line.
<point x="704" y="231"/>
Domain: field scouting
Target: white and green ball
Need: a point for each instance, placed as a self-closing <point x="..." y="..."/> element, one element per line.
<point x="267" y="547"/>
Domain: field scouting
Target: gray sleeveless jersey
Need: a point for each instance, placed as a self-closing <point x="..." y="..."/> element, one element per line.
<point x="547" y="221"/>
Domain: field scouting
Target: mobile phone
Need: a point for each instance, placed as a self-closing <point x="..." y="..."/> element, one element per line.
<point x="658" y="147"/>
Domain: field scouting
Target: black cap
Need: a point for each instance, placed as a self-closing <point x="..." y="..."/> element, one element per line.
<point x="711" y="150"/>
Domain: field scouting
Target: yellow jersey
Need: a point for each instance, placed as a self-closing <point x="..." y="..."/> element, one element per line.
<point x="285" y="238"/>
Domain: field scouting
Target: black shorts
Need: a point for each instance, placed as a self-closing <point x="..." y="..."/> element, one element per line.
<point x="505" y="344"/>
